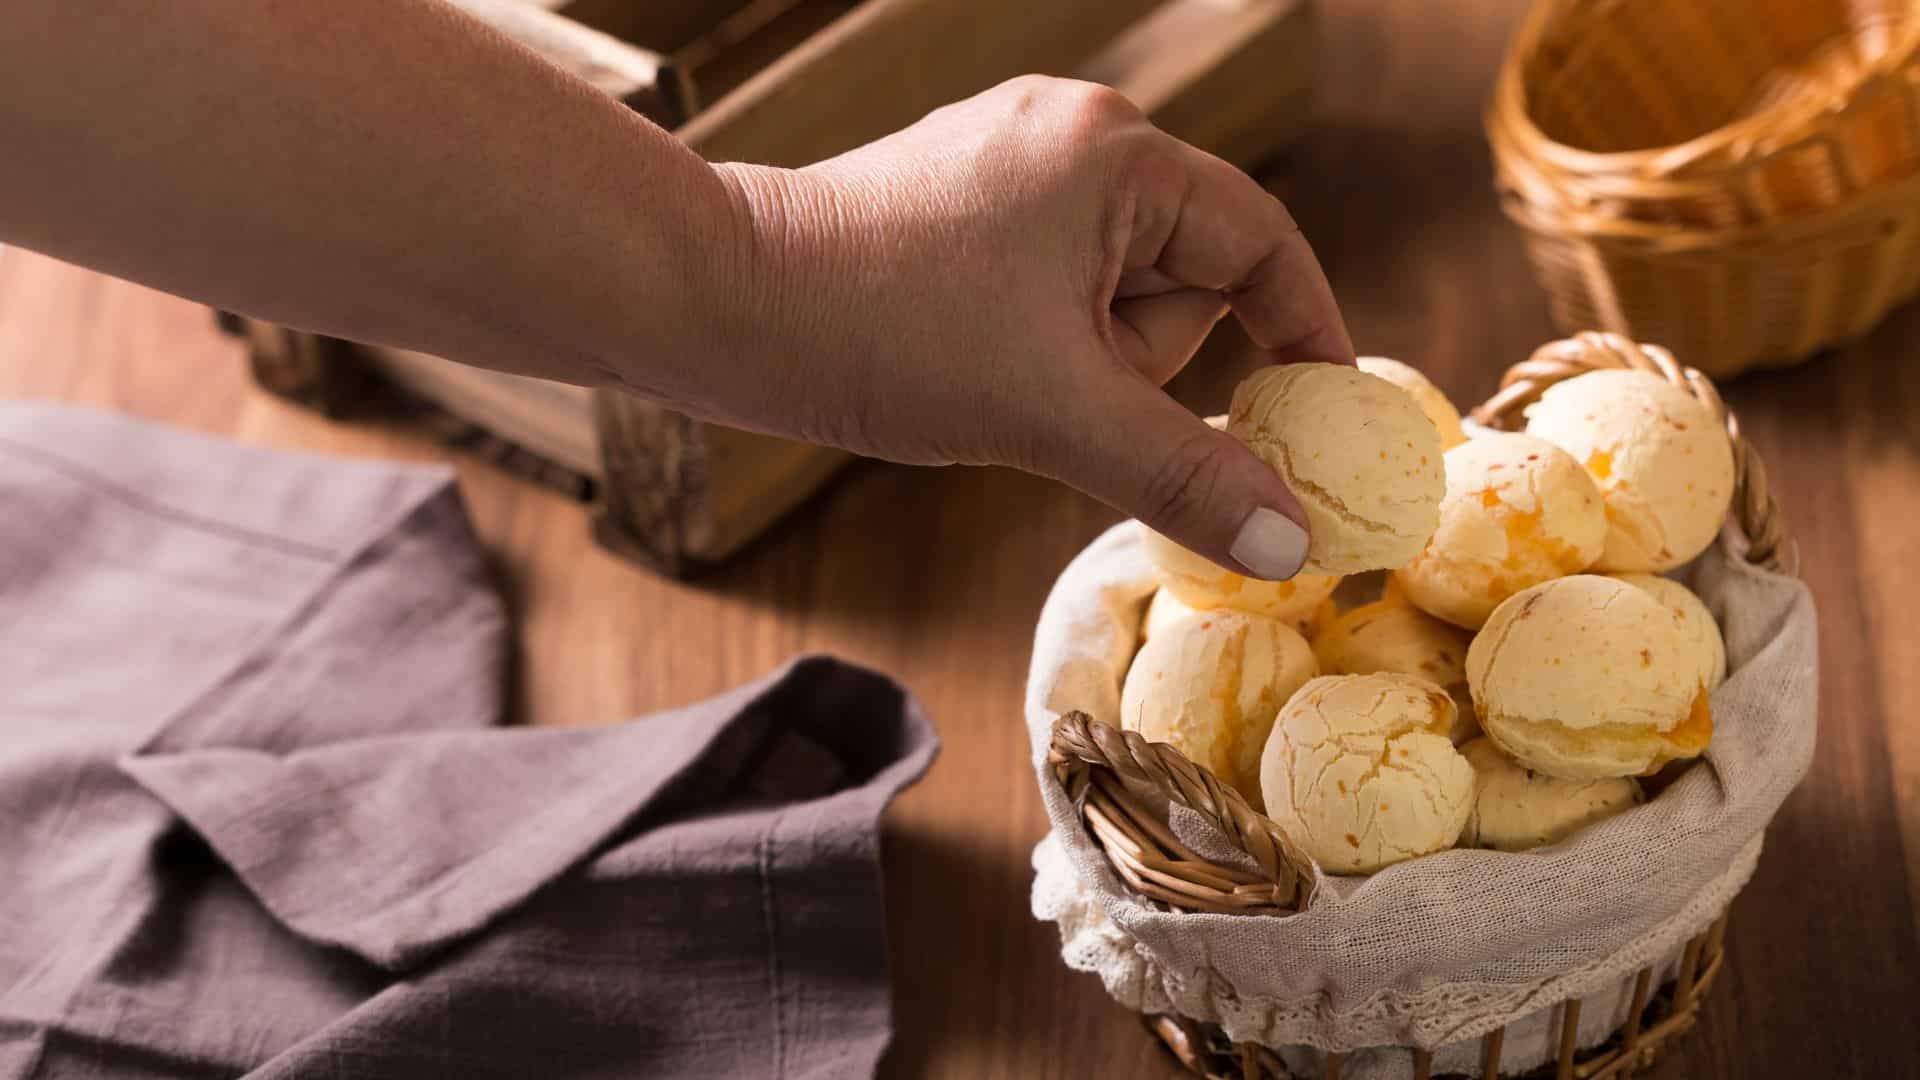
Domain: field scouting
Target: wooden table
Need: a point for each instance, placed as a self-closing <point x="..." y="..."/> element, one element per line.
<point x="937" y="577"/>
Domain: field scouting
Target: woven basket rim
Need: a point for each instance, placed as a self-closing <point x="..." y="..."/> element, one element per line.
<point x="1598" y="228"/>
<point x="1511" y="129"/>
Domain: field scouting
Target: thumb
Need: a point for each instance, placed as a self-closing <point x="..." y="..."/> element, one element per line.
<point x="1148" y="457"/>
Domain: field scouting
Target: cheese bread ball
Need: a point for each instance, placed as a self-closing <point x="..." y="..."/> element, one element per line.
<point x="1210" y="684"/>
<point x="1358" y="454"/>
<point x="1391" y="590"/>
<point x="1204" y="585"/>
<point x="1518" y="512"/>
<point x="1310" y="624"/>
<point x="1360" y="773"/>
<point x="1515" y="808"/>
<point x="1446" y="418"/>
<point x="1695" y="622"/>
<point x="1391" y="635"/>
<point x="1662" y="460"/>
<point x="1586" y="677"/>
<point x="1164" y="609"/>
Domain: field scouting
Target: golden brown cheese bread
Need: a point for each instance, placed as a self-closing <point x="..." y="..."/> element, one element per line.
<point x="1210" y="684"/>
<point x="1585" y="677"/>
<point x="1358" y="454"/>
<point x="1360" y="773"/>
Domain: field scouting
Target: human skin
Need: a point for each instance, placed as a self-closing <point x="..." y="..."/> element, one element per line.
<point x="1009" y="281"/>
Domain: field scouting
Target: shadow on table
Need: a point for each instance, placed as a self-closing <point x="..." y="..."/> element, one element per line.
<point x="978" y="984"/>
<point x="1825" y="931"/>
<point x="1868" y="390"/>
<point x="885" y="538"/>
<point x="509" y="581"/>
<point x="945" y="896"/>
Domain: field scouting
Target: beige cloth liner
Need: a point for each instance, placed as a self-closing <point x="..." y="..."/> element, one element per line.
<point x="1441" y="950"/>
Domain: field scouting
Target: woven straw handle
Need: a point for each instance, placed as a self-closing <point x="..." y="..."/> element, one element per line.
<point x="1118" y="778"/>
<point x="1754" y="511"/>
<point x="1144" y="850"/>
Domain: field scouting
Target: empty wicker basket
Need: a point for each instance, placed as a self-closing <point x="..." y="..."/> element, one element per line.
<point x="1739" y="179"/>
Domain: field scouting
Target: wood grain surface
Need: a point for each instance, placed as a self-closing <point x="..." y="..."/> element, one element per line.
<point x="938" y="576"/>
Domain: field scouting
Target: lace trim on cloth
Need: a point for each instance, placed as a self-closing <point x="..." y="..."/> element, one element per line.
<point x="1440" y="1017"/>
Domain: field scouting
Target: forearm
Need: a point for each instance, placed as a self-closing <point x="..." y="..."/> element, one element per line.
<point x="382" y="170"/>
<point x="1008" y="281"/>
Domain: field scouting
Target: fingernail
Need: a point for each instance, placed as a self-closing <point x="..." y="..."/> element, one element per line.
<point x="1270" y="545"/>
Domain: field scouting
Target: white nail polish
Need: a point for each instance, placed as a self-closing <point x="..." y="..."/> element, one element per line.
<point x="1270" y="544"/>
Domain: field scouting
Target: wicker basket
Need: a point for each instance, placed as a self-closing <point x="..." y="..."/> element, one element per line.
<point x="1739" y="179"/>
<point x="1117" y="778"/>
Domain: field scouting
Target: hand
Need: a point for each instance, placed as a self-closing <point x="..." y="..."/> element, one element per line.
<point x="1010" y="281"/>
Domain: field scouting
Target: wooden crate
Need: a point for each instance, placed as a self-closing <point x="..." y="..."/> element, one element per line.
<point x="788" y="82"/>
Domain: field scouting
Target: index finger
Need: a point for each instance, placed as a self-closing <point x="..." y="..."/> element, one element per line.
<point x="1230" y="234"/>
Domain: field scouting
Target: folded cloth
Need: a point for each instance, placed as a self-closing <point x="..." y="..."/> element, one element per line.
<point x="256" y="818"/>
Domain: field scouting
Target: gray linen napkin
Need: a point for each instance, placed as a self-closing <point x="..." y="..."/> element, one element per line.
<point x="255" y="818"/>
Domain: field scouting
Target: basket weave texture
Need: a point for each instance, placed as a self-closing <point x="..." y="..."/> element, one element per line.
<point x="1127" y="790"/>
<point x="1739" y="179"/>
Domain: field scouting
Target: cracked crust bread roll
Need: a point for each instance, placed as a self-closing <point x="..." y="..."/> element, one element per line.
<point x="1393" y="636"/>
<point x="1203" y="585"/>
<point x="1446" y="418"/>
<point x="1515" y="808"/>
<point x="1309" y="625"/>
<point x="1359" y="771"/>
<point x="1695" y="622"/>
<point x="1358" y="454"/>
<point x="1662" y="460"/>
<point x="1164" y="609"/>
<point x="1210" y="684"/>
<point x="1585" y="677"/>
<point x="1518" y="511"/>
